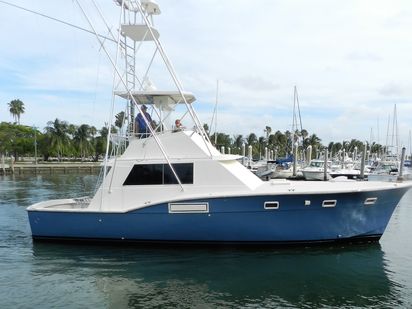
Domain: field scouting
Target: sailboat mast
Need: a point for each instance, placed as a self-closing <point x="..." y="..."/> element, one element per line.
<point x="387" y="137"/>
<point x="395" y="138"/>
<point x="215" y="115"/>
<point x="296" y="114"/>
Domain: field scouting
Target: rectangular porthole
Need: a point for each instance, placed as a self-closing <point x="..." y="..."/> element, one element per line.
<point x="329" y="203"/>
<point x="271" y="205"/>
<point x="370" y="201"/>
<point x="188" y="207"/>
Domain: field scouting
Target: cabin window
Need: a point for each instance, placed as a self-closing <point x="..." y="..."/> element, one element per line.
<point x="183" y="170"/>
<point x="271" y="205"/>
<point x="329" y="203"/>
<point x="159" y="174"/>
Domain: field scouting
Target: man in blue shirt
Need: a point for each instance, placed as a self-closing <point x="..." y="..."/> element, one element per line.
<point x="141" y="124"/>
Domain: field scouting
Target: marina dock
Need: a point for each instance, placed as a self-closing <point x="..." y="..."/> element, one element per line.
<point x="50" y="168"/>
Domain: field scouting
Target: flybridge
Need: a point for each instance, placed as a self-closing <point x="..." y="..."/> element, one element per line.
<point x="135" y="86"/>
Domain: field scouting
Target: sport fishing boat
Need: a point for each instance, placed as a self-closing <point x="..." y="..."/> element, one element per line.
<point x="171" y="185"/>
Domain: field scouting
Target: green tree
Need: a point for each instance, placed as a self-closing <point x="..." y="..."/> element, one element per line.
<point x="16" y="139"/>
<point x="278" y="142"/>
<point x="268" y="131"/>
<point x="82" y="139"/>
<point x="222" y="140"/>
<point x="251" y="139"/>
<point x="119" y="119"/>
<point x="16" y="108"/>
<point x="238" y="142"/>
<point x="93" y="131"/>
<point x="206" y="128"/>
<point x="304" y="133"/>
<point x="58" y="137"/>
<point x="314" y="141"/>
<point x="261" y="144"/>
<point x="334" y="148"/>
<point x="100" y="143"/>
<point x="376" y="148"/>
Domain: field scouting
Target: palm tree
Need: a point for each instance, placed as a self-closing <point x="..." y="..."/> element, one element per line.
<point x="238" y="140"/>
<point x="304" y="133"/>
<point x="314" y="141"/>
<point x="119" y="120"/>
<point x="222" y="139"/>
<point x="57" y="132"/>
<point x="278" y="141"/>
<point x="206" y="128"/>
<point x="268" y="131"/>
<point x="100" y="142"/>
<point x="16" y="109"/>
<point x="251" y="139"/>
<point x="82" y="138"/>
<point x="71" y="129"/>
<point x="376" y="148"/>
<point x="93" y="131"/>
<point x="262" y="144"/>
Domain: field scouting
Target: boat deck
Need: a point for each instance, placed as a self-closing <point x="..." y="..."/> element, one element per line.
<point x="63" y="204"/>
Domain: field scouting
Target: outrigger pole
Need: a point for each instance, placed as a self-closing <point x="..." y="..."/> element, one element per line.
<point x="57" y="20"/>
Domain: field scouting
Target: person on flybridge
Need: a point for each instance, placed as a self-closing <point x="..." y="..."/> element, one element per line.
<point x="178" y="126"/>
<point x="141" y="126"/>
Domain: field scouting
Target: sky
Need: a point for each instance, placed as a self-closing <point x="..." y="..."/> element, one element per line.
<point x="350" y="61"/>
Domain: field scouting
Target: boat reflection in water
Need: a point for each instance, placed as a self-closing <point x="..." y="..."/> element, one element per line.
<point x="193" y="277"/>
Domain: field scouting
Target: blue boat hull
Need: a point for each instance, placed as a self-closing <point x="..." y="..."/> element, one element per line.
<point x="231" y="220"/>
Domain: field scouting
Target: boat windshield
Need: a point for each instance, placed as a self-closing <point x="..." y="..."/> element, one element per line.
<point x="316" y="164"/>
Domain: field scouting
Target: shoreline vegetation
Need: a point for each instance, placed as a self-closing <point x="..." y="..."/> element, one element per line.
<point x="61" y="141"/>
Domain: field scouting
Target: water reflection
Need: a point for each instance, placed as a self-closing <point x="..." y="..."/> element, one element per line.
<point x="25" y="190"/>
<point x="48" y="275"/>
<point x="192" y="277"/>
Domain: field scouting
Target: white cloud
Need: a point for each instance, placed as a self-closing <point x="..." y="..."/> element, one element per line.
<point x="391" y="89"/>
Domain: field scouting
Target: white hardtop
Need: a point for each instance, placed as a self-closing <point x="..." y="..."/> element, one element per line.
<point x="157" y="97"/>
<point x="139" y="32"/>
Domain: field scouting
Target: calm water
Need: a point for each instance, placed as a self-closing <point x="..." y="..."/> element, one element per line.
<point x="43" y="275"/>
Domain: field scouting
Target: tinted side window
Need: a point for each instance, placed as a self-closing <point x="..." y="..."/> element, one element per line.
<point x="157" y="174"/>
<point x="145" y="174"/>
<point x="183" y="170"/>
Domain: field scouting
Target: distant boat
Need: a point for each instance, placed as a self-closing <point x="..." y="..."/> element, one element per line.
<point x="388" y="171"/>
<point x="316" y="170"/>
<point x="172" y="186"/>
<point x="348" y="169"/>
<point x="349" y="173"/>
<point x="285" y="171"/>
